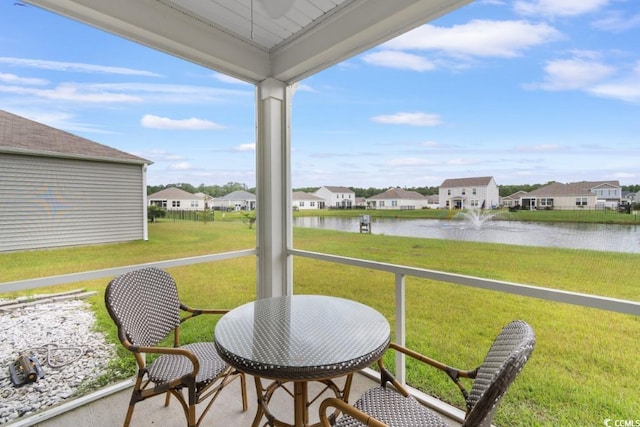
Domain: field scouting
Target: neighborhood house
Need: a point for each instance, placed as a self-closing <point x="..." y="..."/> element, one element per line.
<point x="397" y="198"/>
<point x="59" y="189"/>
<point x="574" y="195"/>
<point x="176" y="199"/>
<point x="469" y="193"/>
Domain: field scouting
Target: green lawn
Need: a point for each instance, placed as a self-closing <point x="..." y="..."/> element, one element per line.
<point x="581" y="372"/>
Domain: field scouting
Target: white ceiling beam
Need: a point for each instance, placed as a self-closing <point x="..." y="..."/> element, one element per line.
<point x="158" y="26"/>
<point x="359" y="26"/>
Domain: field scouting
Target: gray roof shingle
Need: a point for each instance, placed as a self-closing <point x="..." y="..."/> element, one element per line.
<point x="19" y="135"/>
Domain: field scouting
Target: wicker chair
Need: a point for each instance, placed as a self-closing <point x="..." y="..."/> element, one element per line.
<point x="386" y="406"/>
<point x="144" y="305"/>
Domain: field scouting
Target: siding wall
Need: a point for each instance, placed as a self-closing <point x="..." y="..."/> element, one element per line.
<point x="51" y="202"/>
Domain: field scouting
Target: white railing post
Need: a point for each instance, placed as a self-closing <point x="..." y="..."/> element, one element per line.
<point x="401" y="367"/>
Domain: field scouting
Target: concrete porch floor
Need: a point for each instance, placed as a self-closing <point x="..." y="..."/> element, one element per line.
<point x="226" y="411"/>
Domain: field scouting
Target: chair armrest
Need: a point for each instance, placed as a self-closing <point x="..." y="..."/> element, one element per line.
<point x="198" y="311"/>
<point x="436" y="364"/>
<point x="347" y="409"/>
<point x="453" y="373"/>
<point x="166" y="350"/>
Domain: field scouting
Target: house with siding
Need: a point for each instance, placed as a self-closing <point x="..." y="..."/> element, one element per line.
<point x="397" y="198"/>
<point x="574" y="195"/>
<point x="58" y="189"/>
<point x="177" y="199"/>
<point x="336" y="197"/>
<point x="469" y="193"/>
<point x="302" y="200"/>
<point x="235" y="201"/>
<point x="512" y="200"/>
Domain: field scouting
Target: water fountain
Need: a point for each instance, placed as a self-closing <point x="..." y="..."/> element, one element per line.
<point x="476" y="217"/>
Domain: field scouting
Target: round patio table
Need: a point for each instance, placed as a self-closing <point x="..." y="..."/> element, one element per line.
<point x="301" y="338"/>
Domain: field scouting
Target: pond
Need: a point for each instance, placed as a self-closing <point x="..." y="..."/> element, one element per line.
<point x="600" y="237"/>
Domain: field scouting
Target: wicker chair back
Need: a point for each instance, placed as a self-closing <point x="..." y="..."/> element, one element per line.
<point x="144" y="305"/>
<point x="504" y="361"/>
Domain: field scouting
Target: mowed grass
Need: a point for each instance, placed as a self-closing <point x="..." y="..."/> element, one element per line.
<point x="582" y="371"/>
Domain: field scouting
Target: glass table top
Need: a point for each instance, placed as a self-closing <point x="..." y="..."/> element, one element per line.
<point x="302" y="337"/>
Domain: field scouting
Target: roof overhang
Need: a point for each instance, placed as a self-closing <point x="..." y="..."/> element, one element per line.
<point x="219" y="34"/>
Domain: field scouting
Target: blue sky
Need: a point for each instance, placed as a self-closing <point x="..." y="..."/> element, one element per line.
<point x="526" y="91"/>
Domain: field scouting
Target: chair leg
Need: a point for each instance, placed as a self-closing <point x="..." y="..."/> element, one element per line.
<point x="135" y="398"/>
<point x="243" y="386"/>
<point x="166" y="399"/>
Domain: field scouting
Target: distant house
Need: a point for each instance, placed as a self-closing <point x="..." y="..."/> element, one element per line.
<point x="360" y="203"/>
<point x="236" y="200"/>
<point x="433" y="201"/>
<point x="58" y="189"/>
<point x="176" y="199"/>
<point x="336" y="197"/>
<point x="207" y="199"/>
<point x="574" y="195"/>
<point x="469" y="193"/>
<point x="301" y="200"/>
<point x="512" y="200"/>
<point x="397" y="198"/>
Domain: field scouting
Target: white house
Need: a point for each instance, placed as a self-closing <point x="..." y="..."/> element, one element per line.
<point x="301" y="200"/>
<point x="336" y="197"/>
<point x="397" y="198"/>
<point x="574" y="195"/>
<point x="59" y="189"/>
<point x="469" y="193"/>
<point x="176" y="199"/>
<point x="512" y="200"/>
<point x="236" y="200"/>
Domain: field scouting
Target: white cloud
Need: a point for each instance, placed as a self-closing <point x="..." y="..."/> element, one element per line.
<point x="29" y="81"/>
<point x="246" y="147"/>
<point x="617" y="22"/>
<point x="553" y="8"/>
<point x="540" y="148"/>
<point x="180" y="166"/>
<point x="485" y="38"/>
<point x="628" y="91"/>
<point x="60" y="120"/>
<point x="156" y="122"/>
<point x="71" y="92"/>
<point x="572" y="74"/>
<point x="77" y="67"/>
<point x="400" y="60"/>
<point x="411" y="161"/>
<point x="412" y="119"/>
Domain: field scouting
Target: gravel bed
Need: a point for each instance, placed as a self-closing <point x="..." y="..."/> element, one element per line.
<point x="61" y="336"/>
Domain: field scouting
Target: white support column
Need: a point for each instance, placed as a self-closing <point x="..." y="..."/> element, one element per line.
<point x="273" y="187"/>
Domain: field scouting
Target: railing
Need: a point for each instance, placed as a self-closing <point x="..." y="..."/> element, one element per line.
<point x="400" y="273"/>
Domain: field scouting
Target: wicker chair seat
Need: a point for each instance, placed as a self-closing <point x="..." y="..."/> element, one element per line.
<point x="170" y="366"/>
<point x="393" y="409"/>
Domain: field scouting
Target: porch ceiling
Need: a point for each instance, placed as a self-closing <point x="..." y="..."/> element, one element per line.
<point x="240" y="38"/>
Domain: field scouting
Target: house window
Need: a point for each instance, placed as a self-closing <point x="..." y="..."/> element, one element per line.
<point x="394" y="203"/>
<point x="475" y="203"/>
<point x="301" y="204"/>
<point x="194" y="203"/>
<point x="464" y="191"/>
<point x="448" y="192"/>
<point x="175" y="203"/>
<point x="474" y="191"/>
<point x="581" y="201"/>
<point x="312" y="204"/>
<point x="546" y="202"/>
<point x="381" y="204"/>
